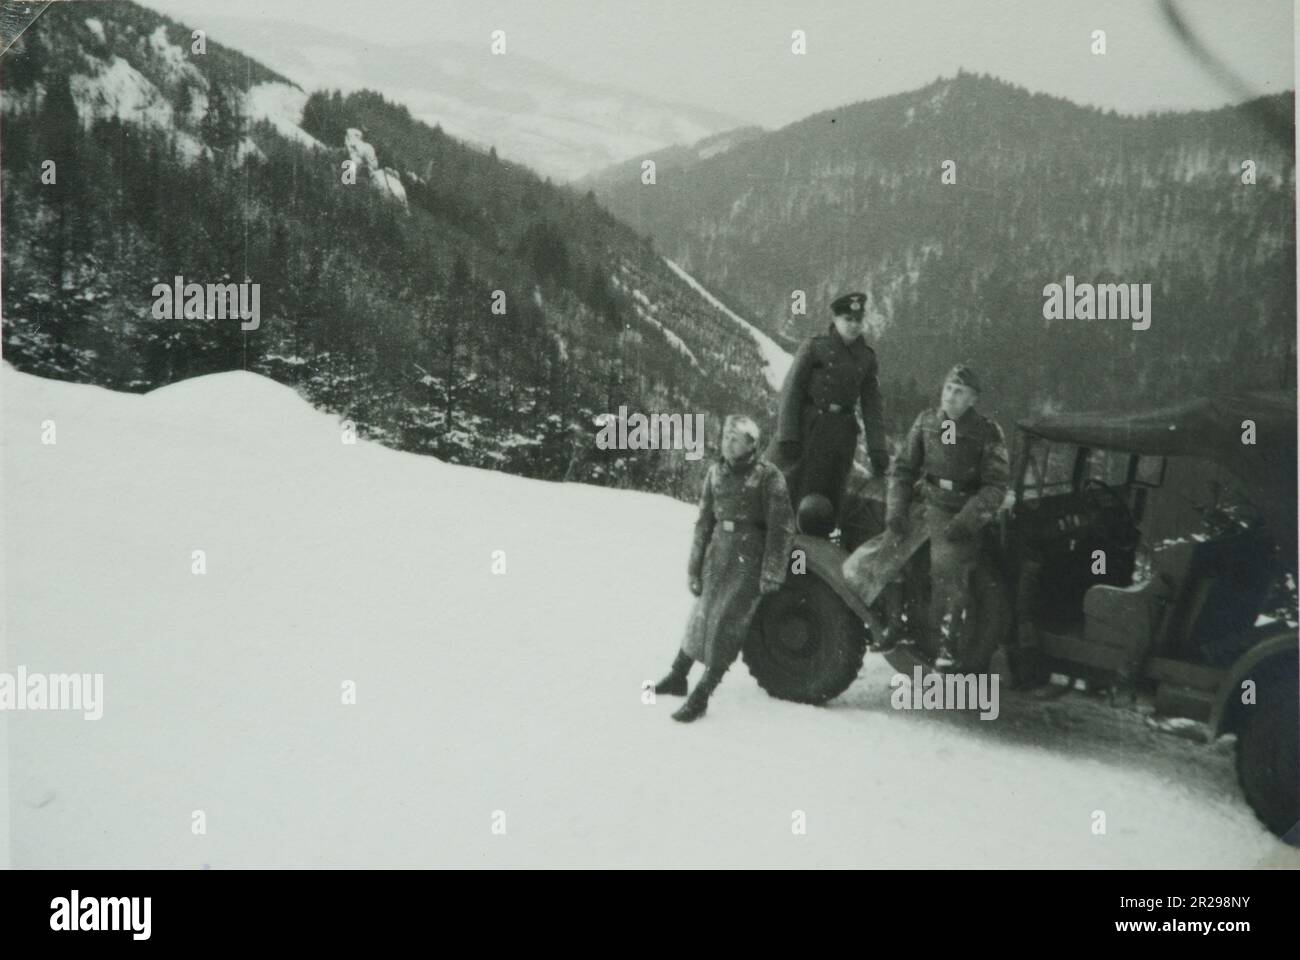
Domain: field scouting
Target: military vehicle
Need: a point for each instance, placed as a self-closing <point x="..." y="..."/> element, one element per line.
<point x="1184" y="627"/>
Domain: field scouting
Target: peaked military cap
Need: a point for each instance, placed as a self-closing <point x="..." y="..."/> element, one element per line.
<point x="850" y="304"/>
<point x="964" y="375"/>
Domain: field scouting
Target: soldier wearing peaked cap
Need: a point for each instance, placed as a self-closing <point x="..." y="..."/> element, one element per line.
<point x="817" y="432"/>
<point x="959" y="459"/>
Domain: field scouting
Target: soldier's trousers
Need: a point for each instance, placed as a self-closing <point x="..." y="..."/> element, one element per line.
<point x="951" y="563"/>
<point x="829" y="443"/>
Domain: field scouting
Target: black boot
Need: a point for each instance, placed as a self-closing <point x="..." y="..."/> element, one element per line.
<point x="944" y="659"/>
<point x="674" y="685"/>
<point x="698" y="701"/>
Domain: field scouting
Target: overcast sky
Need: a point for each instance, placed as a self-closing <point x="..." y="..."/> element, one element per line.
<point x="734" y="56"/>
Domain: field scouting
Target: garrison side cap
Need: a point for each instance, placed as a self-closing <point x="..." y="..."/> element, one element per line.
<point x="962" y="373"/>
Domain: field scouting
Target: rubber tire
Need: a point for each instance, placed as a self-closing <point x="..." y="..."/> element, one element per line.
<point x="1268" y="760"/>
<point x="805" y="645"/>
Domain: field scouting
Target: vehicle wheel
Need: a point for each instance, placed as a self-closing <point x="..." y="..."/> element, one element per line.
<point x="805" y="645"/>
<point x="989" y="617"/>
<point x="1268" y="760"/>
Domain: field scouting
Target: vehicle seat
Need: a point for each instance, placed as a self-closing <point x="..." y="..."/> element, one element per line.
<point x="1129" y="618"/>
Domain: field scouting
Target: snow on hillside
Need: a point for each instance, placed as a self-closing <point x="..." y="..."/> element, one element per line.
<point x="777" y="359"/>
<point x="383" y="179"/>
<point x="362" y="153"/>
<point x="475" y="693"/>
<point x="646" y="311"/>
<point x="114" y="88"/>
<point x="175" y="61"/>
<point x="280" y="105"/>
<point x="117" y="89"/>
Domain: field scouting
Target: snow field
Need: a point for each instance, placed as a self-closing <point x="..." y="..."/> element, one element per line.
<point x="475" y="692"/>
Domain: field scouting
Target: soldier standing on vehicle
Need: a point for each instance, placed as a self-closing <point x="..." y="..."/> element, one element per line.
<point x="817" y="433"/>
<point x="741" y="552"/>
<point x="960" y="459"/>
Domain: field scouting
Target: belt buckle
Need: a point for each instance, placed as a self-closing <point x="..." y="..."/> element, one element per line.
<point x="945" y="484"/>
<point x="834" y="408"/>
<point x="729" y="525"/>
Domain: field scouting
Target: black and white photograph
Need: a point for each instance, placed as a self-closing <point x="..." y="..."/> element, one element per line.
<point x="487" y="434"/>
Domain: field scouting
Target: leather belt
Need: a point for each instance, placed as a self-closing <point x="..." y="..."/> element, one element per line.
<point x="943" y="483"/>
<point x="731" y="526"/>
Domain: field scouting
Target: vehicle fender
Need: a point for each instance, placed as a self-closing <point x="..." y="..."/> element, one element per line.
<point x="825" y="560"/>
<point x="1277" y="642"/>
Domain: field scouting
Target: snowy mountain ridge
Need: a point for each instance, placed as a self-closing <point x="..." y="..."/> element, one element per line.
<point x="531" y="113"/>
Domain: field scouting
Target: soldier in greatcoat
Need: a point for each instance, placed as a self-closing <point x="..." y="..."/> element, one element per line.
<point x="958" y="458"/>
<point x="817" y="432"/>
<point x="740" y="552"/>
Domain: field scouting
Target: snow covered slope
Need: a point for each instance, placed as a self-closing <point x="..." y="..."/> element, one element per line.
<point x="280" y="105"/>
<point x="476" y="693"/>
<point x="778" y="360"/>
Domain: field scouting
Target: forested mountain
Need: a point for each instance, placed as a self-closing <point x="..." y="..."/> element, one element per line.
<point x="672" y="159"/>
<point x="376" y="297"/>
<point x="854" y="198"/>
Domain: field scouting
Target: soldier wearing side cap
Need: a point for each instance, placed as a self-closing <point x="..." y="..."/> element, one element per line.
<point x="958" y="458"/>
<point x="817" y="432"/>
<point x="740" y="553"/>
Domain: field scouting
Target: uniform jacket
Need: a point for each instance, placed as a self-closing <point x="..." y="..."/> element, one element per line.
<point x="743" y="536"/>
<point x="827" y="370"/>
<point x="975" y="468"/>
